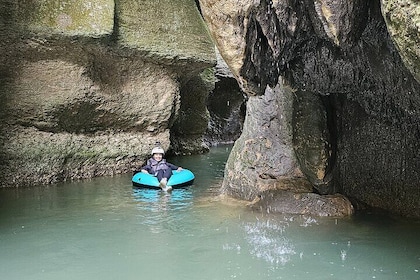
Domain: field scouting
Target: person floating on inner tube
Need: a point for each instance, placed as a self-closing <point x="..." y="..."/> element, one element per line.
<point x="159" y="167"/>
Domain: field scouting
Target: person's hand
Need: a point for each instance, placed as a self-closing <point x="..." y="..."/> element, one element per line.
<point x="179" y="168"/>
<point x="144" y="171"/>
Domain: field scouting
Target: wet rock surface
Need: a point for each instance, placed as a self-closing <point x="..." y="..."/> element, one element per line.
<point x="342" y="52"/>
<point x="303" y="204"/>
<point x="402" y="19"/>
<point x="312" y="140"/>
<point x="263" y="156"/>
<point x="227" y="106"/>
<point x="86" y="89"/>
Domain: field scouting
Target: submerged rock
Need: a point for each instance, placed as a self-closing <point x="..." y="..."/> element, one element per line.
<point x="303" y="204"/>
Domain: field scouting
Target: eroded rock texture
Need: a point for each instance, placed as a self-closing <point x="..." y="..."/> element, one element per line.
<point x="263" y="157"/>
<point x="402" y="18"/>
<point x="88" y="87"/>
<point x="226" y="104"/>
<point x="355" y="126"/>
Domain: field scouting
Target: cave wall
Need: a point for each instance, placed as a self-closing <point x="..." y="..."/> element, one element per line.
<point x="88" y="87"/>
<point x="227" y="106"/>
<point x="356" y="108"/>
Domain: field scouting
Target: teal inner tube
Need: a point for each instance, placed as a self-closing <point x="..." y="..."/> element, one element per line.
<point x="178" y="179"/>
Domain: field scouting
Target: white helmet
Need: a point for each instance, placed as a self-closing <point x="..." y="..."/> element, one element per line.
<point x="157" y="150"/>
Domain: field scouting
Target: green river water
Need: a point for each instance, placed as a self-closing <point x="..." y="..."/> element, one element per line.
<point x="105" y="229"/>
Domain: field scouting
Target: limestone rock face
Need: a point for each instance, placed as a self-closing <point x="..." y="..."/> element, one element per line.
<point x="341" y="21"/>
<point x="60" y="96"/>
<point x="263" y="157"/>
<point x="190" y="126"/>
<point x="226" y="105"/>
<point x="48" y="17"/>
<point x="361" y="136"/>
<point x="402" y="19"/>
<point x="312" y="141"/>
<point x="225" y="20"/>
<point x="171" y="29"/>
<point x="85" y="91"/>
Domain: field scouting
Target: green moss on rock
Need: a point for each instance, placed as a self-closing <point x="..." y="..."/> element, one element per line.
<point x="167" y="28"/>
<point x="68" y="17"/>
<point x="402" y="19"/>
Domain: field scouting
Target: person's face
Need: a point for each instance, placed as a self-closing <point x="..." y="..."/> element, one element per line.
<point x="158" y="157"/>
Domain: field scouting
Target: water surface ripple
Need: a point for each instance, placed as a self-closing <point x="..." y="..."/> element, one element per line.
<point x="105" y="229"/>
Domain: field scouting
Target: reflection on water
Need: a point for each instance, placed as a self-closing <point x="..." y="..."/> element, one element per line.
<point x="105" y="229"/>
<point x="179" y="199"/>
<point x="157" y="208"/>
